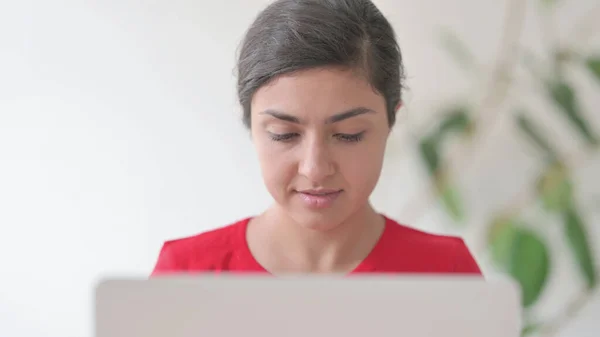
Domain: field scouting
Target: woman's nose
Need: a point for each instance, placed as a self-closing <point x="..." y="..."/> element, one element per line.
<point x="316" y="163"/>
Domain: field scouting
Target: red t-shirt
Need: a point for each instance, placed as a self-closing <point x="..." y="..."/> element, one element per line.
<point x="399" y="250"/>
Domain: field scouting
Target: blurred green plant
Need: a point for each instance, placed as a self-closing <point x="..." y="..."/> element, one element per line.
<point x="517" y="248"/>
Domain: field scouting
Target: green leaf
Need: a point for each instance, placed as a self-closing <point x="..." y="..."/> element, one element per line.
<point x="520" y="253"/>
<point x="593" y="64"/>
<point x="449" y="196"/>
<point x="529" y="264"/>
<point x="564" y="96"/>
<point x="452" y="202"/>
<point x="500" y="239"/>
<point x="555" y="188"/>
<point x="529" y="329"/>
<point x="429" y="152"/>
<point x="457" y="49"/>
<point x="578" y="240"/>
<point x="534" y="134"/>
<point x="457" y="120"/>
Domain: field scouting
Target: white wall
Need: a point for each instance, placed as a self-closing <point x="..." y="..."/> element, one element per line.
<point x="119" y="129"/>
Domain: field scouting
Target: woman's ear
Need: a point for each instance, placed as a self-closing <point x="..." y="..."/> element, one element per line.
<point x="398" y="106"/>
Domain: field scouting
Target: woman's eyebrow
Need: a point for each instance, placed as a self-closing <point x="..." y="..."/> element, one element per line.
<point x="333" y="119"/>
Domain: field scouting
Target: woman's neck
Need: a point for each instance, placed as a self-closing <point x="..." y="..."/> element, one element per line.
<point x="281" y="245"/>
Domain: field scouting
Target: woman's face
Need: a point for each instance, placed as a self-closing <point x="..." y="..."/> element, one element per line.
<point x="320" y="136"/>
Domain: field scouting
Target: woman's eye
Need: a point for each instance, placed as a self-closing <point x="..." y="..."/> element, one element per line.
<point x="282" y="137"/>
<point x="345" y="137"/>
<point x="356" y="137"/>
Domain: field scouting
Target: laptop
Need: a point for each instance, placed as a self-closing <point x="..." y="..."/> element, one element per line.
<point x="301" y="306"/>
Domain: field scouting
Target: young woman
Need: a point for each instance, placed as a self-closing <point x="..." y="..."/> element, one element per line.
<point x="320" y="82"/>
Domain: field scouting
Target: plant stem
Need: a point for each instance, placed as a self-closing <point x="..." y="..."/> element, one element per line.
<point x="528" y="195"/>
<point x="555" y="325"/>
<point x="487" y="111"/>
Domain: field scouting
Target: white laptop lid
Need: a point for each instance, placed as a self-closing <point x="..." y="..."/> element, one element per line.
<point x="377" y="306"/>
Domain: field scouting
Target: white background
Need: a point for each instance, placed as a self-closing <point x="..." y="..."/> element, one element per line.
<point x="119" y="129"/>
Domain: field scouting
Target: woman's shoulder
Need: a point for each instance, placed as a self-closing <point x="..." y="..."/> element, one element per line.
<point x="207" y="250"/>
<point x="434" y="252"/>
<point x="406" y="232"/>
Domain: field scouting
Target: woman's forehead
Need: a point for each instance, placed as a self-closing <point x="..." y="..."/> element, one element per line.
<point x="317" y="91"/>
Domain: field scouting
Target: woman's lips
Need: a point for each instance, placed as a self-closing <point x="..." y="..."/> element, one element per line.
<point x="321" y="198"/>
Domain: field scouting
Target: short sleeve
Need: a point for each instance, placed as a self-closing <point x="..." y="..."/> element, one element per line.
<point x="465" y="262"/>
<point x="167" y="261"/>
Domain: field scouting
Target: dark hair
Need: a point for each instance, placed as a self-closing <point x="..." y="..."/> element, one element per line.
<point x="293" y="35"/>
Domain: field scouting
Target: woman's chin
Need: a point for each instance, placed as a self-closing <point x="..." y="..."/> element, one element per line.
<point x="318" y="221"/>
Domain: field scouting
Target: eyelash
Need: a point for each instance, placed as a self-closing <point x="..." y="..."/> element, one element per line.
<point x="357" y="137"/>
<point x="349" y="138"/>
<point x="282" y="137"/>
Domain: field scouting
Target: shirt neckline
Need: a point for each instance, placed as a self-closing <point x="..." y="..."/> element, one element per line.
<point x="368" y="264"/>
